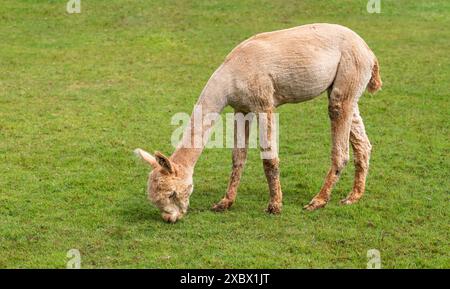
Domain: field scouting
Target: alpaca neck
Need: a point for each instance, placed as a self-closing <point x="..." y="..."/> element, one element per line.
<point x="210" y="104"/>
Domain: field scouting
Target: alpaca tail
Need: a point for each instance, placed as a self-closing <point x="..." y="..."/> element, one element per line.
<point x="375" y="82"/>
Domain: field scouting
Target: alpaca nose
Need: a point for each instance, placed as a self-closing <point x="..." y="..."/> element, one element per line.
<point x="171" y="218"/>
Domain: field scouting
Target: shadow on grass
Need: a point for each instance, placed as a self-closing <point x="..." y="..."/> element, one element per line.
<point x="138" y="210"/>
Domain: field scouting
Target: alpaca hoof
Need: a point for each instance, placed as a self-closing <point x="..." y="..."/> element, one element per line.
<point x="315" y="204"/>
<point x="350" y="200"/>
<point x="221" y="206"/>
<point x="274" y="209"/>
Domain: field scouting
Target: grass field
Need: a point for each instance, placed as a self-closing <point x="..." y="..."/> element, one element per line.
<point x="79" y="92"/>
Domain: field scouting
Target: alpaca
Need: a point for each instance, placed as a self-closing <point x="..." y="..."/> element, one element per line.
<point x="260" y="74"/>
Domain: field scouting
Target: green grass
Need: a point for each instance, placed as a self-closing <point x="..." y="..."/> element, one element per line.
<point x="79" y="92"/>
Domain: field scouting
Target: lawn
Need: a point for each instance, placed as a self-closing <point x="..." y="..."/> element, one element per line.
<point x="78" y="92"/>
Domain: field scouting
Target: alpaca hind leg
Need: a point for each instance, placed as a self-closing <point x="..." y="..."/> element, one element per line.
<point x="361" y="152"/>
<point x="347" y="88"/>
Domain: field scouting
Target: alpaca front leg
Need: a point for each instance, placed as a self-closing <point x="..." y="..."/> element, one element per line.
<point x="239" y="159"/>
<point x="272" y="171"/>
<point x="271" y="163"/>
<point x="241" y="143"/>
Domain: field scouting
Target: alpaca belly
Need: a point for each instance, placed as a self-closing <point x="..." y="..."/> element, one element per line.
<point x="304" y="83"/>
<point x="296" y="94"/>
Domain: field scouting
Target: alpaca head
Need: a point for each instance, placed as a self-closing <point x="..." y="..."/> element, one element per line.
<point x="169" y="186"/>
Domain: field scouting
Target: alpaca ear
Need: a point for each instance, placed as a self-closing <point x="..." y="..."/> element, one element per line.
<point x="140" y="153"/>
<point x="164" y="162"/>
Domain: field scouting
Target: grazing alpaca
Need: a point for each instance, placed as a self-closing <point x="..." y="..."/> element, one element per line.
<point x="260" y="74"/>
